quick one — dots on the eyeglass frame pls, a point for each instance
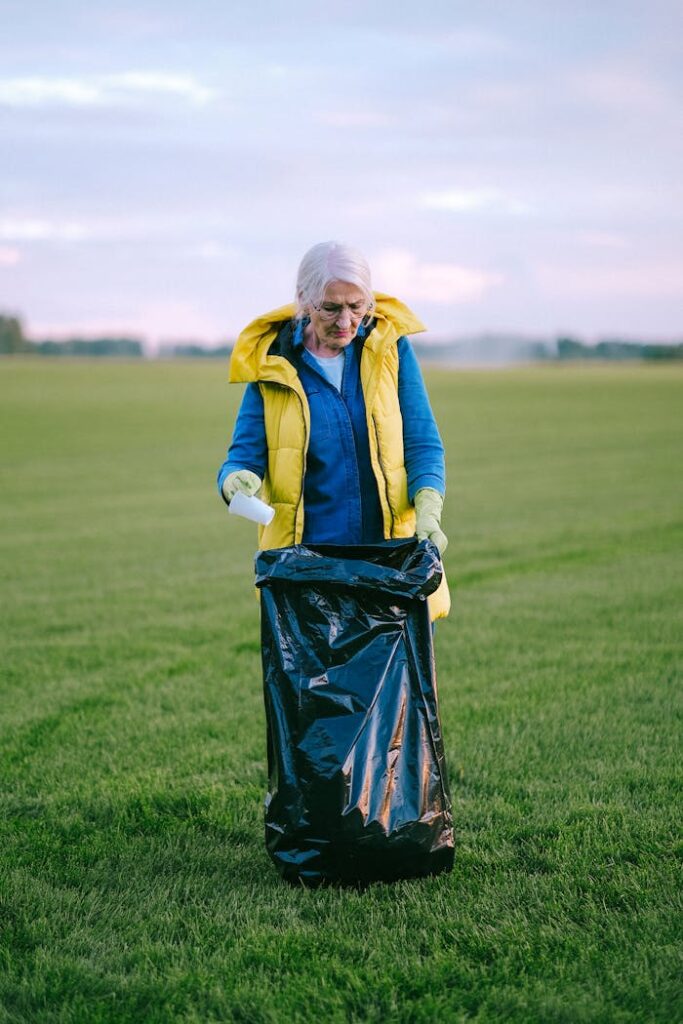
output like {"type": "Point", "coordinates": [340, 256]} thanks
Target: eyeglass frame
{"type": "Point", "coordinates": [331, 315]}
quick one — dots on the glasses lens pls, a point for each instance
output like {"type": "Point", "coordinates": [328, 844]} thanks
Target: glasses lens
{"type": "Point", "coordinates": [328, 311]}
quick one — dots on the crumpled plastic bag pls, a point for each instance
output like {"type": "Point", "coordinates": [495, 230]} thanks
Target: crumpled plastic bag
{"type": "Point", "coordinates": [358, 789]}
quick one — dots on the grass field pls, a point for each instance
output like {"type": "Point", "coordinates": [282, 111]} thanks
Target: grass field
{"type": "Point", "coordinates": [135, 884]}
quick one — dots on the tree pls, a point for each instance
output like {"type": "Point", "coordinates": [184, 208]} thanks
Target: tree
{"type": "Point", "coordinates": [12, 336]}
{"type": "Point", "coordinates": [569, 348]}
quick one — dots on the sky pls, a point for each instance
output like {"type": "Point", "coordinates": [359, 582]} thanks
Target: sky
{"type": "Point", "coordinates": [506, 167]}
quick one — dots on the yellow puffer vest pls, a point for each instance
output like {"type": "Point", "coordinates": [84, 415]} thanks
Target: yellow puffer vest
{"type": "Point", "coordinates": [288, 424]}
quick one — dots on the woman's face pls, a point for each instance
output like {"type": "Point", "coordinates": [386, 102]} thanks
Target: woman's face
{"type": "Point", "coordinates": [335, 321]}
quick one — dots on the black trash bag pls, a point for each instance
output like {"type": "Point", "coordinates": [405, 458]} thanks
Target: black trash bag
{"type": "Point", "coordinates": [358, 790]}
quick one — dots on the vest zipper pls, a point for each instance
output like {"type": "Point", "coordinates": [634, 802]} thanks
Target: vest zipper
{"type": "Point", "coordinates": [384, 475]}
{"type": "Point", "coordinates": [303, 469]}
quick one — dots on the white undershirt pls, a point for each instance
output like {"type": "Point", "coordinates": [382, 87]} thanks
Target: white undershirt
{"type": "Point", "coordinates": [332, 367]}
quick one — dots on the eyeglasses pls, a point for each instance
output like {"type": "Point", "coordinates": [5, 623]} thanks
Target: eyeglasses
{"type": "Point", "coordinates": [332, 311]}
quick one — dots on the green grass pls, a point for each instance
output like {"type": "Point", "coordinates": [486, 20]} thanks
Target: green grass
{"type": "Point", "coordinates": [135, 885]}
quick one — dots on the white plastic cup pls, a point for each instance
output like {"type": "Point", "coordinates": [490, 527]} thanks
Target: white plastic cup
{"type": "Point", "coordinates": [251, 508]}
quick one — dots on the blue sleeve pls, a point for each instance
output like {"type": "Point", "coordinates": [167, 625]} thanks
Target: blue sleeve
{"type": "Point", "coordinates": [248, 448]}
{"type": "Point", "coordinates": [423, 449]}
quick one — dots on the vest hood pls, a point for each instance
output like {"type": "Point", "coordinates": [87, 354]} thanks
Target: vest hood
{"type": "Point", "coordinates": [250, 354]}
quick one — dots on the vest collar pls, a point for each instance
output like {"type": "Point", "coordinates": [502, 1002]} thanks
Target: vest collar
{"type": "Point", "coordinates": [255, 358]}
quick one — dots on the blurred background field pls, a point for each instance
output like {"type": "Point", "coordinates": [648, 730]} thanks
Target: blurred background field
{"type": "Point", "coordinates": [135, 883]}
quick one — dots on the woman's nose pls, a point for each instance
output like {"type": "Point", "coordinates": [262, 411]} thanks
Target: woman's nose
{"type": "Point", "coordinates": [344, 318]}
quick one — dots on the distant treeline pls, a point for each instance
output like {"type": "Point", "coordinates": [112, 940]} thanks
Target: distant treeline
{"type": "Point", "coordinates": [496, 349]}
{"type": "Point", "coordinates": [13, 341]}
{"type": "Point", "coordinates": [569, 348]}
{"type": "Point", "coordinates": [488, 348]}
{"type": "Point", "coordinates": [194, 351]}
{"type": "Point", "coordinates": [131, 348]}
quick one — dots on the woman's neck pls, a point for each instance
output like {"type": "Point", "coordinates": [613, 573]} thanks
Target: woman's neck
{"type": "Point", "coordinates": [320, 348]}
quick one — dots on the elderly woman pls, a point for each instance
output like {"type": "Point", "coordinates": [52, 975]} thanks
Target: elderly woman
{"type": "Point", "coordinates": [335, 430]}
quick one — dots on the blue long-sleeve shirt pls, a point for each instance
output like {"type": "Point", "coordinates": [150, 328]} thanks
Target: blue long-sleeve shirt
{"type": "Point", "coordinates": [341, 503]}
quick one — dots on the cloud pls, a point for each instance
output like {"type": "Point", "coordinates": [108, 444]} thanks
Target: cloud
{"type": "Point", "coordinates": [101, 90]}
{"type": "Point", "coordinates": [175, 319]}
{"type": "Point", "coordinates": [603, 239]}
{"type": "Point", "coordinates": [39, 92]}
{"type": "Point", "coordinates": [177, 232]}
{"type": "Point", "coordinates": [472, 200]}
{"type": "Point", "coordinates": [183, 86]}
{"type": "Point", "coordinates": [135, 22]}
{"type": "Point", "coordinates": [651, 281]}
{"type": "Point", "coordinates": [471, 42]}
{"type": "Point", "coordinates": [153, 322]}
{"type": "Point", "coordinates": [465, 44]}
{"type": "Point", "coordinates": [36, 230]}
{"type": "Point", "coordinates": [9, 257]}
{"type": "Point", "coordinates": [619, 88]}
{"type": "Point", "coordinates": [398, 271]}
{"type": "Point", "coordinates": [213, 252]}
{"type": "Point", "coordinates": [355, 119]}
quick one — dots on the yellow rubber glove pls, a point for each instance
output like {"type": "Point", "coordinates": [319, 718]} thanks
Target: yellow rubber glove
{"type": "Point", "coordinates": [241, 480]}
{"type": "Point", "coordinates": [428, 508]}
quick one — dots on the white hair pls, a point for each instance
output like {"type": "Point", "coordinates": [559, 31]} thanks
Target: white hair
{"type": "Point", "coordinates": [327, 262]}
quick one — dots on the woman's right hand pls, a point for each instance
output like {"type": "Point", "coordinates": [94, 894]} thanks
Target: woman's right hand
{"type": "Point", "coordinates": [241, 480]}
